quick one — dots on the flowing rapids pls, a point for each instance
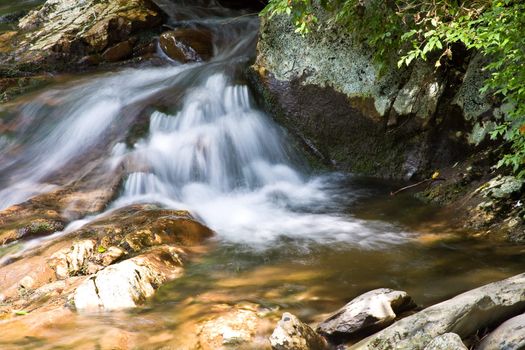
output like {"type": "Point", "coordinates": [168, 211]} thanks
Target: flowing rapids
{"type": "Point", "coordinates": [208, 149]}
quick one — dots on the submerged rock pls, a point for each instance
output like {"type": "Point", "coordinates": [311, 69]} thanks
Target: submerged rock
{"type": "Point", "coordinates": [50, 212]}
{"type": "Point", "coordinates": [292, 334]}
{"type": "Point", "coordinates": [238, 327]}
{"type": "Point", "coordinates": [447, 341]}
{"type": "Point", "coordinates": [463, 314]}
{"type": "Point", "coordinates": [129, 283]}
{"type": "Point", "coordinates": [367, 313]}
{"type": "Point", "coordinates": [509, 335]}
{"type": "Point", "coordinates": [187, 45]}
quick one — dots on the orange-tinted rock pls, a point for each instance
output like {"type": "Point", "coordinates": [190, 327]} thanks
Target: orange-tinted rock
{"type": "Point", "coordinates": [187, 45]}
{"type": "Point", "coordinates": [118, 52]}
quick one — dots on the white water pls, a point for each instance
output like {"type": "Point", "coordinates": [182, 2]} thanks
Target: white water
{"type": "Point", "coordinates": [217, 155]}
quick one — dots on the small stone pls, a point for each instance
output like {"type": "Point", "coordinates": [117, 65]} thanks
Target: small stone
{"type": "Point", "coordinates": [187, 45]}
{"type": "Point", "coordinates": [292, 334]}
{"type": "Point", "coordinates": [27, 282]}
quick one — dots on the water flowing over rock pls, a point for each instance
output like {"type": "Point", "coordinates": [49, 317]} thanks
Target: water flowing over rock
{"type": "Point", "coordinates": [129, 283]}
{"type": "Point", "coordinates": [292, 334]}
{"type": "Point", "coordinates": [153, 240]}
{"type": "Point", "coordinates": [463, 314]}
{"type": "Point", "coordinates": [447, 341]}
{"type": "Point", "coordinates": [367, 313]}
{"type": "Point", "coordinates": [509, 335]}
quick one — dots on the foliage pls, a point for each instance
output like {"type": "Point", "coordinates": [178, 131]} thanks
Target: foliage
{"type": "Point", "coordinates": [435, 29]}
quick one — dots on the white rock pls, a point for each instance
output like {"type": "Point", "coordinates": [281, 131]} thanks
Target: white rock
{"type": "Point", "coordinates": [128, 283]}
{"type": "Point", "coordinates": [370, 311]}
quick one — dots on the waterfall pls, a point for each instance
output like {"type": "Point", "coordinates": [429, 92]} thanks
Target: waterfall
{"type": "Point", "coordinates": [207, 148]}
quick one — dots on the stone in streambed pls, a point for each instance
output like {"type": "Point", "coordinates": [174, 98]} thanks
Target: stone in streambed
{"type": "Point", "coordinates": [118, 52]}
{"type": "Point", "coordinates": [509, 335]}
{"type": "Point", "coordinates": [292, 334]}
{"type": "Point", "coordinates": [367, 313]}
{"type": "Point", "coordinates": [187, 45]}
{"type": "Point", "coordinates": [234, 327]}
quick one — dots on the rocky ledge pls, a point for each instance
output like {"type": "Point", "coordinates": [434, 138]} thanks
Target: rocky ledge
{"type": "Point", "coordinates": [115, 262]}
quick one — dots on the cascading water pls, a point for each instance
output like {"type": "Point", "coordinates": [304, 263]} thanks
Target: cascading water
{"type": "Point", "coordinates": [230, 165]}
{"type": "Point", "coordinates": [208, 149]}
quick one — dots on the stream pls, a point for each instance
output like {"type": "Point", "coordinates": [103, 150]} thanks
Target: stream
{"type": "Point", "coordinates": [288, 237]}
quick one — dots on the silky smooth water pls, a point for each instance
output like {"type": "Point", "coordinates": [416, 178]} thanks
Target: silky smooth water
{"type": "Point", "coordinates": [286, 238]}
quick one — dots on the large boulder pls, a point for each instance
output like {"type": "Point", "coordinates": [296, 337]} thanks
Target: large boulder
{"type": "Point", "coordinates": [292, 334]}
{"type": "Point", "coordinates": [155, 240]}
{"type": "Point", "coordinates": [509, 335]}
{"type": "Point", "coordinates": [367, 313]}
{"type": "Point", "coordinates": [463, 315]}
{"type": "Point", "coordinates": [348, 109]}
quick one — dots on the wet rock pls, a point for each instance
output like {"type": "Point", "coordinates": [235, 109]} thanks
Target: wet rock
{"type": "Point", "coordinates": [126, 232]}
{"type": "Point", "coordinates": [91, 60]}
{"type": "Point", "coordinates": [509, 335]}
{"type": "Point", "coordinates": [118, 52]}
{"type": "Point", "coordinates": [129, 283]}
{"type": "Point", "coordinates": [502, 187]}
{"type": "Point", "coordinates": [187, 45]}
{"type": "Point", "coordinates": [73, 260]}
{"type": "Point", "coordinates": [50, 212]}
{"type": "Point", "coordinates": [379, 114]}
{"type": "Point", "coordinates": [447, 341]}
{"type": "Point", "coordinates": [238, 327]}
{"type": "Point", "coordinates": [83, 27]}
{"type": "Point", "coordinates": [292, 334]}
{"type": "Point", "coordinates": [421, 93]}
{"type": "Point", "coordinates": [464, 315]}
{"type": "Point", "coordinates": [367, 313]}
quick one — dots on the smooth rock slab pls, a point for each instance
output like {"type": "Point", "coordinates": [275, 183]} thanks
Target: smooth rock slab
{"type": "Point", "coordinates": [447, 341]}
{"type": "Point", "coordinates": [510, 335]}
{"type": "Point", "coordinates": [292, 334]}
{"type": "Point", "coordinates": [463, 314]}
{"type": "Point", "coordinates": [129, 283]}
{"type": "Point", "coordinates": [368, 312]}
